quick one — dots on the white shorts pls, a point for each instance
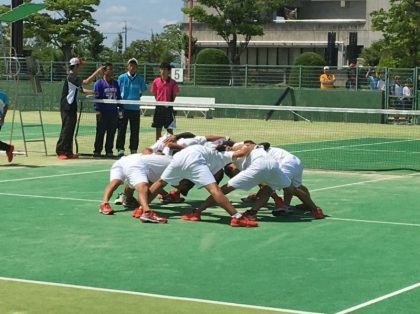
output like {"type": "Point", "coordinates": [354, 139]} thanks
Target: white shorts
{"type": "Point", "coordinates": [261, 171]}
{"type": "Point", "coordinates": [197, 172]}
{"type": "Point", "coordinates": [293, 168]}
{"type": "Point", "coordinates": [131, 173]}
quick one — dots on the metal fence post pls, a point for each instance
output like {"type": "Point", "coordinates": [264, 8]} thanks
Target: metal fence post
{"type": "Point", "coordinates": [194, 73]}
{"type": "Point", "coordinates": [246, 75]}
{"type": "Point", "coordinates": [51, 70]}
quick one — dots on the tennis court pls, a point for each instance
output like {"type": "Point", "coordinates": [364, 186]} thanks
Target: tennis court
{"type": "Point", "coordinates": [59, 255]}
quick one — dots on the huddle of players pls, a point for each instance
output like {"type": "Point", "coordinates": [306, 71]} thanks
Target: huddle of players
{"type": "Point", "coordinates": [185, 160]}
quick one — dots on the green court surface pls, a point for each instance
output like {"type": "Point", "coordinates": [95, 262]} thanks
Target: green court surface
{"type": "Point", "coordinates": [363, 257]}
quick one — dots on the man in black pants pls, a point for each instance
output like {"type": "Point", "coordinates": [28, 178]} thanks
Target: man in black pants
{"type": "Point", "coordinates": [68, 107]}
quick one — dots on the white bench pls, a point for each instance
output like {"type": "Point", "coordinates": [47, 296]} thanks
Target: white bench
{"type": "Point", "coordinates": [206, 104]}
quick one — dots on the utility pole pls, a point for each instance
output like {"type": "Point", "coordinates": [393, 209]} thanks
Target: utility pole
{"type": "Point", "coordinates": [190, 3]}
{"type": "Point", "coordinates": [125, 30]}
{"type": "Point", "coordinates": [17, 31]}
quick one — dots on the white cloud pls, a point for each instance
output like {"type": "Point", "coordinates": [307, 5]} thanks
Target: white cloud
{"type": "Point", "coordinates": [116, 10]}
{"type": "Point", "coordinates": [164, 22]}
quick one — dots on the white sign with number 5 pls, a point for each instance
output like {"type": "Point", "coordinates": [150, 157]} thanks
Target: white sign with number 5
{"type": "Point", "coordinates": [177, 74]}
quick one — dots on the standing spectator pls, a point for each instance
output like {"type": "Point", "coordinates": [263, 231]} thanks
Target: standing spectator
{"type": "Point", "coordinates": [396, 96]}
{"type": "Point", "coordinates": [165, 89]}
{"type": "Point", "coordinates": [4, 103]}
{"type": "Point", "coordinates": [396, 88]}
{"type": "Point", "coordinates": [132, 86]}
{"type": "Point", "coordinates": [407, 100]}
{"type": "Point", "coordinates": [372, 79]}
{"type": "Point", "coordinates": [68, 107]}
{"type": "Point", "coordinates": [351, 77]}
{"type": "Point", "coordinates": [106, 114]}
{"type": "Point", "coordinates": [381, 85]}
{"type": "Point", "coordinates": [327, 79]}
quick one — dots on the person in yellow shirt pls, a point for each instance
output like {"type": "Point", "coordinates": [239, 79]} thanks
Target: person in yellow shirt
{"type": "Point", "coordinates": [327, 79]}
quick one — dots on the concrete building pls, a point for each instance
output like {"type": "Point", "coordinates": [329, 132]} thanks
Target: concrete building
{"type": "Point", "coordinates": [302, 27]}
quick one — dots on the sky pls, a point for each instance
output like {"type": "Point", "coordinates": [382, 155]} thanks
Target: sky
{"type": "Point", "coordinates": [142, 17]}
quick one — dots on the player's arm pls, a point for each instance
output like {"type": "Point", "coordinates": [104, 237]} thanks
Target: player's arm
{"type": "Point", "coordinates": [93, 75]}
{"type": "Point", "coordinates": [243, 151]}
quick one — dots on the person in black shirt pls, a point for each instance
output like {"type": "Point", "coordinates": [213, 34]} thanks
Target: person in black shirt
{"type": "Point", "coordinates": [68, 107]}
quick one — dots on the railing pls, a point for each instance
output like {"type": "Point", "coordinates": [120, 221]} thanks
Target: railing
{"type": "Point", "coordinates": [249, 75]}
{"type": "Point", "coordinates": [351, 78]}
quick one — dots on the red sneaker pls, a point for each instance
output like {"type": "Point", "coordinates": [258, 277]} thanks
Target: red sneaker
{"type": "Point", "coordinates": [73, 156]}
{"type": "Point", "coordinates": [105, 209]}
{"type": "Point", "coordinates": [9, 153]}
{"type": "Point", "coordinates": [151, 216]}
{"type": "Point", "coordinates": [251, 214]}
{"type": "Point", "coordinates": [278, 202]}
{"type": "Point", "coordinates": [244, 221]}
{"type": "Point", "coordinates": [172, 197]}
{"type": "Point", "coordinates": [194, 215]}
{"type": "Point", "coordinates": [62, 156]}
{"type": "Point", "coordinates": [137, 212]}
{"type": "Point", "coordinates": [251, 198]}
{"type": "Point", "coordinates": [317, 213]}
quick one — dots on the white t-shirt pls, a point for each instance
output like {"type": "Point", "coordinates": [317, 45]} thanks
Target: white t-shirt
{"type": "Point", "coordinates": [139, 168]}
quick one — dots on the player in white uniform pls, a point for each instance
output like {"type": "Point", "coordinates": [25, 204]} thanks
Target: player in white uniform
{"type": "Point", "coordinates": [258, 168]}
{"type": "Point", "coordinates": [137, 170]}
{"type": "Point", "coordinates": [169, 144]}
{"type": "Point", "coordinates": [199, 164]}
{"type": "Point", "coordinates": [293, 168]}
{"type": "Point", "coordinates": [234, 168]}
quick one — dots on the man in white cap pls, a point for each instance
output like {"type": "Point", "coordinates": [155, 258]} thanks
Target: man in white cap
{"type": "Point", "coordinates": [132, 86]}
{"type": "Point", "coordinates": [68, 107]}
{"type": "Point", "coordinates": [327, 79]}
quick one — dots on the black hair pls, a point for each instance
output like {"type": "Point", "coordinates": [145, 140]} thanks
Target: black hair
{"type": "Point", "coordinates": [221, 147]}
{"type": "Point", "coordinates": [184, 135]}
{"type": "Point", "coordinates": [165, 65]}
{"type": "Point", "coordinates": [107, 64]}
{"type": "Point", "coordinates": [249, 142]}
{"type": "Point", "coordinates": [229, 143]}
{"type": "Point", "coordinates": [266, 145]}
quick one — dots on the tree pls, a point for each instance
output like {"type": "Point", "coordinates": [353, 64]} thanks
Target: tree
{"type": "Point", "coordinates": [214, 67]}
{"type": "Point", "coordinates": [92, 46]}
{"type": "Point", "coordinates": [309, 74]}
{"type": "Point", "coordinates": [401, 30]}
{"type": "Point", "coordinates": [235, 20]}
{"type": "Point", "coordinates": [67, 23]}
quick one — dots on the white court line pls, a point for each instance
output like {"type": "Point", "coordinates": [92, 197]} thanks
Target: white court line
{"type": "Point", "coordinates": [376, 222]}
{"type": "Point", "coordinates": [53, 176]}
{"type": "Point", "coordinates": [364, 182]}
{"type": "Point", "coordinates": [354, 145]}
{"type": "Point", "coordinates": [154, 295]}
{"type": "Point", "coordinates": [50, 197]}
{"type": "Point", "coordinates": [386, 296]}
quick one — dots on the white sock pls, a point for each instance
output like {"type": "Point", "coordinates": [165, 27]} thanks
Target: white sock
{"type": "Point", "coordinates": [237, 215]}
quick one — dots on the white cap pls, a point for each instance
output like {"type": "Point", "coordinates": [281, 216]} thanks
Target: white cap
{"type": "Point", "coordinates": [132, 60]}
{"type": "Point", "coordinates": [75, 61]}
{"type": "Point", "coordinates": [326, 67]}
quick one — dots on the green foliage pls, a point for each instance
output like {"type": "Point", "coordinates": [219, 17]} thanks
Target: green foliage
{"type": "Point", "coordinates": [67, 23]}
{"type": "Point", "coordinates": [213, 67]}
{"type": "Point", "coordinates": [165, 46]}
{"type": "Point", "coordinates": [235, 19]}
{"type": "Point", "coordinates": [310, 71]}
{"type": "Point", "coordinates": [401, 30]}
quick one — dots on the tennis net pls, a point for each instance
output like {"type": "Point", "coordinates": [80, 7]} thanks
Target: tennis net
{"type": "Point", "coordinates": [323, 138]}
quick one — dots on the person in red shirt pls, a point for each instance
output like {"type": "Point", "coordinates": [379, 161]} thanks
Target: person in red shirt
{"type": "Point", "coordinates": [165, 89]}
